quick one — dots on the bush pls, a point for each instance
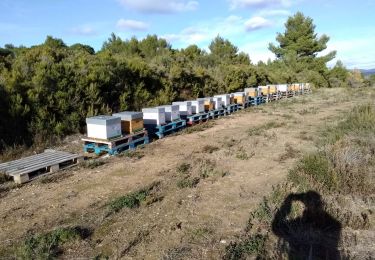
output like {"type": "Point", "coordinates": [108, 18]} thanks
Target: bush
{"type": "Point", "coordinates": [47, 246]}
{"type": "Point", "coordinates": [132, 200]}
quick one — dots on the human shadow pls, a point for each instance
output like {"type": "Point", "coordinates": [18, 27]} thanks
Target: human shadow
{"type": "Point", "coordinates": [314, 235]}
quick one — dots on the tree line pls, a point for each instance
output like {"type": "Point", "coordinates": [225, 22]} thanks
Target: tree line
{"type": "Point", "coordinates": [47, 90]}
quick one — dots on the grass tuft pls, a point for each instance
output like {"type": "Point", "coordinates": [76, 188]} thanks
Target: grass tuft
{"type": "Point", "coordinates": [48, 246]}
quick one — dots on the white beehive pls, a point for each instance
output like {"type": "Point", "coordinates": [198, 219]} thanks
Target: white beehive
{"type": "Point", "coordinates": [197, 106]}
{"type": "Point", "coordinates": [103, 127]}
{"type": "Point", "coordinates": [282, 87]}
{"type": "Point", "coordinates": [225, 98]}
{"type": "Point", "coordinates": [154, 116]}
{"type": "Point", "coordinates": [171, 112]}
{"type": "Point", "coordinates": [218, 102]}
{"type": "Point", "coordinates": [184, 107]}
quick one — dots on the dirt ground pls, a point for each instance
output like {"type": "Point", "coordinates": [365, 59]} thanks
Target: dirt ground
{"type": "Point", "coordinates": [243, 154]}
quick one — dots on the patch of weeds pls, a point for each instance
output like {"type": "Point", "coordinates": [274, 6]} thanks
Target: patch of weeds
{"type": "Point", "coordinates": [261, 129]}
{"type": "Point", "coordinates": [183, 168]}
{"type": "Point", "coordinates": [253, 245]}
{"type": "Point", "coordinates": [209, 149]}
{"type": "Point", "coordinates": [242, 155]}
{"type": "Point", "coordinates": [198, 127]}
{"type": "Point", "coordinates": [228, 143]}
{"type": "Point", "coordinates": [200, 233]}
{"type": "Point", "coordinates": [48, 246]}
{"type": "Point", "coordinates": [131, 200]}
{"type": "Point", "coordinates": [289, 153]}
{"type": "Point", "coordinates": [188, 182]}
{"type": "Point", "coordinates": [91, 164]}
{"type": "Point", "coordinates": [133, 154]}
{"type": "Point", "coordinates": [4, 178]}
{"type": "Point", "coordinates": [176, 253]}
{"type": "Point", "coordinates": [318, 168]}
{"type": "Point", "coordinates": [206, 168]}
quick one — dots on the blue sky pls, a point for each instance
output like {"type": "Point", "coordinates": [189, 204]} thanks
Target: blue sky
{"type": "Point", "coordinates": [249, 24]}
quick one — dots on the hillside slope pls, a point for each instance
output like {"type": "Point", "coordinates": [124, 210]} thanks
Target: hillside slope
{"type": "Point", "coordinates": [183, 197]}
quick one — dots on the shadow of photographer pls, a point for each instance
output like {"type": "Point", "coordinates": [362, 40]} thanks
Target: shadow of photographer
{"type": "Point", "coordinates": [314, 235]}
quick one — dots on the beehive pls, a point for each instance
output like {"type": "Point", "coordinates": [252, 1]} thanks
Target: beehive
{"type": "Point", "coordinates": [154, 116]}
{"type": "Point", "coordinates": [273, 89]}
{"type": "Point", "coordinates": [251, 92]}
{"type": "Point", "coordinates": [282, 87]}
{"type": "Point", "coordinates": [225, 99]}
{"type": "Point", "coordinates": [290, 87]}
{"type": "Point", "coordinates": [231, 98]}
{"type": "Point", "coordinates": [209, 104]}
{"type": "Point", "coordinates": [172, 112]}
{"type": "Point", "coordinates": [131, 122]}
{"type": "Point", "coordinates": [264, 90]}
{"type": "Point", "coordinates": [218, 102]}
{"type": "Point", "coordinates": [103, 127]}
{"type": "Point", "coordinates": [184, 107]}
{"type": "Point", "coordinates": [239, 98]}
{"type": "Point", "coordinates": [197, 106]}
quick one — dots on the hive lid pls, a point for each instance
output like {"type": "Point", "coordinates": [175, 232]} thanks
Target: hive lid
{"type": "Point", "coordinates": [153, 110]}
{"type": "Point", "coordinates": [222, 95]}
{"type": "Point", "coordinates": [169, 108]}
{"type": "Point", "coordinates": [129, 115]}
{"type": "Point", "coordinates": [182, 103]}
{"type": "Point", "coordinates": [103, 120]}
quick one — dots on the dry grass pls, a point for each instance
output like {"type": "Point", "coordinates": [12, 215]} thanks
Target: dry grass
{"type": "Point", "coordinates": [342, 171]}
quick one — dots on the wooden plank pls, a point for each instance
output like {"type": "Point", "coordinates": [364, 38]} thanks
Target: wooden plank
{"type": "Point", "coordinates": [21, 164]}
{"type": "Point", "coordinates": [36, 160]}
{"type": "Point", "coordinates": [38, 166]}
{"type": "Point", "coordinates": [29, 159]}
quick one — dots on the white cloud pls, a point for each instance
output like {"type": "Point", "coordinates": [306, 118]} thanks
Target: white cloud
{"type": "Point", "coordinates": [256, 23]}
{"type": "Point", "coordinates": [258, 51]}
{"type": "Point", "coordinates": [354, 53]}
{"type": "Point", "coordinates": [274, 12]}
{"type": "Point", "coordinates": [237, 4]}
{"type": "Point", "coordinates": [132, 25]}
{"type": "Point", "coordinates": [205, 32]}
{"type": "Point", "coordinates": [160, 6]}
{"type": "Point", "coordinates": [85, 30]}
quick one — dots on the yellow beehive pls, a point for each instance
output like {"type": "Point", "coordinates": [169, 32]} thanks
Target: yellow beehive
{"type": "Point", "coordinates": [265, 90]}
{"type": "Point", "coordinates": [251, 92]}
{"type": "Point", "coordinates": [130, 127]}
{"type": "Point", "coordinates": [273, 89]}
{"type": "Point", "coordinates": [239, 98]}
{"type": "Point", "coordinates": [290, 87]}
{"type": "Point", "coordinates": [131, 122]}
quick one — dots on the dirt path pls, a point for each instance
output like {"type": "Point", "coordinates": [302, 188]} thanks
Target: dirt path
{"type": "Point", "coordinates": [242, 157]}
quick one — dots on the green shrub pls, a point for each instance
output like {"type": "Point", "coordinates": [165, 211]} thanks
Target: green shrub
{"type": "Point", "coordinates": [47, 246]}
{"type": "Point", "coordinates": [253, 245]}
{"type": "Point", "coordinates": [183, 168]}
{"type": "Point", "coordinates": [188, 182]}
{"type": "Point", "coordinates": [132, 200]}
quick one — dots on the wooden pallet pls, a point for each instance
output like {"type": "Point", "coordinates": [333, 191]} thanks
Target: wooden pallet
{"type": "Point", "coordinates": [162, 130]}
{"type": "Point", "coordinates": [116, 145]}
{"type": "Point", "coordinates": [28, 168]}
{"type": "Point", "coordinates": [255, 101]}
{"type": "Point", "coordinates": [216, 113]}
{"type": "Point", "coordinates": [197, 118]}
{"type": "Point", "coordinates": [231, 108]}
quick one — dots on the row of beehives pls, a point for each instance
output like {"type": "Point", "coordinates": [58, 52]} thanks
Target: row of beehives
{"type": "Point", "coordinates": [123, 123]}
